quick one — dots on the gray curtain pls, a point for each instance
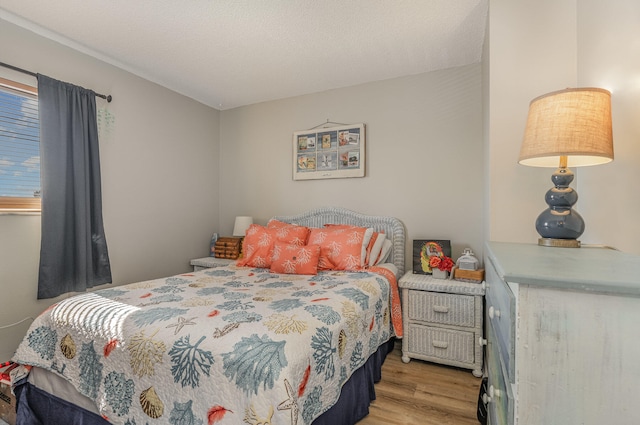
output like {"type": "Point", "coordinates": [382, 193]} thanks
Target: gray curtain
{"type": "Point", "coordinates": [73, 250]}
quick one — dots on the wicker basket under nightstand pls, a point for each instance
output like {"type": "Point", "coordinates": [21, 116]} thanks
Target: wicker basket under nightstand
{"type": "Point", "coordinates": [442, 321]}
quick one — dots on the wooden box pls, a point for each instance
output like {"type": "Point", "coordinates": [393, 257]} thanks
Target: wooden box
{"type": "Point", "coordinates": [475, 276]}
{"type": "Point", "coordinates": [228, 247]}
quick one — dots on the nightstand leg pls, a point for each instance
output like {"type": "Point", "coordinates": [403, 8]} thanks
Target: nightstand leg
{"type": "Point", "coordinates": [405, 325]}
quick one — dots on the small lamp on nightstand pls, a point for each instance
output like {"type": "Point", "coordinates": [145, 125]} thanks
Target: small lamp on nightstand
{"type": "Point", "coordinates": [566, 128]}
{"type": "Point", "coordinates": [241, 225]}
{"type": "Point", "coordinates": [240, 228]}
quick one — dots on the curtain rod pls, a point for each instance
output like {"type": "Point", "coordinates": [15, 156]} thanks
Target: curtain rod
{"type": "Point", "coordinates": [33, 74]}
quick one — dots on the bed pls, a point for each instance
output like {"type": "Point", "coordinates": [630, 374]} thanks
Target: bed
{"type": "Point", "coordinates": [235, 344]}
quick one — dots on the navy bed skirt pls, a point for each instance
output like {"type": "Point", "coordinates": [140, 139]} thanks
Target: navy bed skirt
{"type": "Point", "coordinates": [36, 407]}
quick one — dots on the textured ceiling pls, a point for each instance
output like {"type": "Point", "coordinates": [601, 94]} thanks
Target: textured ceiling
{"type": "Point", "coordinates": [229, 53]}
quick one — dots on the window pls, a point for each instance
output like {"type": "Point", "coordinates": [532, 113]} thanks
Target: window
{"type": "Point", "coordinates": [19, 147]}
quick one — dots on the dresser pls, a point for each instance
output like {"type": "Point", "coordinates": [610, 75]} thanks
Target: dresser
{"type": "Point", "coordinates": [562, 335]}
{"type": "Point", "coordinates": [442, 321]}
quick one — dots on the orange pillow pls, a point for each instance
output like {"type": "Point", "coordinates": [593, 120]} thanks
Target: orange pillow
{"type": "Point", "coordinates": [366, 239]}
{"type": "Point", "coordinates": [257, 246]}
{"type": "Point", "coordinates": [290, 233]}
{"type": "Point", "coordinates": [292, 259]}
{"type": "Point", "coordinates": [375, 248]}
{"type": "Point", "coordinates": [341, 247]}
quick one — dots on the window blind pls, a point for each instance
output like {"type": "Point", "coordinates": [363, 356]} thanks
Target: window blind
{"type": "Point", "coordinates": [19, 146]}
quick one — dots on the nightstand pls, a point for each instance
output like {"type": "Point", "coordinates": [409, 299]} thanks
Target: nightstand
{"type": "Point", "coordinates": [209, 262]}
{"type": "Point", "coordinates": [442, 321]}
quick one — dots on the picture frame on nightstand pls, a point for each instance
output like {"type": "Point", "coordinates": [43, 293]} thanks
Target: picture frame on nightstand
{"type": "Point", "coordinates": [425, 248]}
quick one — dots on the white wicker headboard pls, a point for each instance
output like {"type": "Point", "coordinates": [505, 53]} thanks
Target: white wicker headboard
{"type": "Point", "coordinates": [392, 227]}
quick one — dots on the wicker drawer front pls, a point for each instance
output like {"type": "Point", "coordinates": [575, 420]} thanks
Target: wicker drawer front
{"type": "Point", "coordinates": [442, 343]}
{"type": "Point", "coordinates": [447, 309]}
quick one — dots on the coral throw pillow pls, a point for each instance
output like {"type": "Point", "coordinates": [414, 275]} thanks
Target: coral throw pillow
{"type": "Point", "coordinates": [292, 259]}
{"type": "Point", "coordinates": [257, 246]}
{"type": "Point", "coordinates": [290, 233]}
{"type": "Point", "coordinates": [341, 247]}
{"type": "Point", "coordinates": [375, 248]}
{"type": "Point", "coordinates": [367, 237]}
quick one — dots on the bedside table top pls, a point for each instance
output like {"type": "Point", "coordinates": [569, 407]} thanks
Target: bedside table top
{"type": "Point", "coordinates": [211, 262]}
{"type": "Point", "coordinates": [426, 282]}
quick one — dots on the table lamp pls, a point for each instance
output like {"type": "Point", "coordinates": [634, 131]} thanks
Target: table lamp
{"type": "Point", "coordinates": [241, 225]}
{"type": "Point", "coordinates": [566, 128]}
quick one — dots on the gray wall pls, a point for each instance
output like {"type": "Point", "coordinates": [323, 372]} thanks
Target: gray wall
{"type": "Point", "coordinates": [159, 178]}
{"type": "Point", "coordinates": [423, 155]}
{"type": "Point", "coordinates": [538, 47]}
{"type": "Point", "coordinates": [609, 56]}
{"type": "Point", "coordinates": [532, 52]}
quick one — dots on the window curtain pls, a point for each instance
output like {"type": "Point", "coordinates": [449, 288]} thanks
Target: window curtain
{"type": "Point", "coordinates": [73, 249]}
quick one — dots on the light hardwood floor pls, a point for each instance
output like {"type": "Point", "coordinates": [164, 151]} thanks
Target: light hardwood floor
{"type": "Point", "coordinates": [423, 393]}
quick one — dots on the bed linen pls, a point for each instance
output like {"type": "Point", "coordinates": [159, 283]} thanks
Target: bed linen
{"type": "Point", "coordinates": [38, 406]}
{"type": "Point", "coordinates": [224, 345]}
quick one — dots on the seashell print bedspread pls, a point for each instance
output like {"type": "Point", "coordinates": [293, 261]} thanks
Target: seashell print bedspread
{"type": "Point", "coordinates": [223, 345]}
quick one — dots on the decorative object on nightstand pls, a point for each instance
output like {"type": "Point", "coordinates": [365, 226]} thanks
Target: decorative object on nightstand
{"type": "Point", "coordinates": [468, 268]}
{"type": "Point", "coordinates": [228, 247]}
{"type": "Point", "coordinates": [439, 274]}
{"type": "Point", "coordinates": [467, 260]}
{"type": "Point", "coordinates": [442, 321]}
{"type": "Point", "coordinates": [212, 245]}
{"type": "Point", "coordinates": [425, 249]}
{"type": "Point", "coordinates": [210, 262]}
{"type": "Point", "coordinates": [240, 227]}
{"type": "Point", "coordinates": [440, 266]}
{"type": "Point", "coordinates": [569, 128]}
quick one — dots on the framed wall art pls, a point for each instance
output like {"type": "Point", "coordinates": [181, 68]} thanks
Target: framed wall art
{"type": "Point", "coordinates": [329, 153]}
{"type": "Point", "coordinates": [423, 249]}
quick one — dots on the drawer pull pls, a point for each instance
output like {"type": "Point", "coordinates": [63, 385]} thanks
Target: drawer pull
{"type": "Point", "coordinates": [440, 309]}
{"type": "Point", "coordinates": [494, 312]}
{"type": "Point", "coordinates": [440, 344]}
{"type": "Point", "coordinates": [493, 392]}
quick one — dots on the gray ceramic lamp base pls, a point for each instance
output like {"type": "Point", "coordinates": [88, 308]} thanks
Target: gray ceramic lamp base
{"type": "Point", "coordinates": [559, 225]}
{"type": "Point", "coordinates": [559, 243]}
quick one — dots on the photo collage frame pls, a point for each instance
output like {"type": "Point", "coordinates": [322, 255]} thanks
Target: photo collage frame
{"type": "Point", "coordinates": [325, 153]}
